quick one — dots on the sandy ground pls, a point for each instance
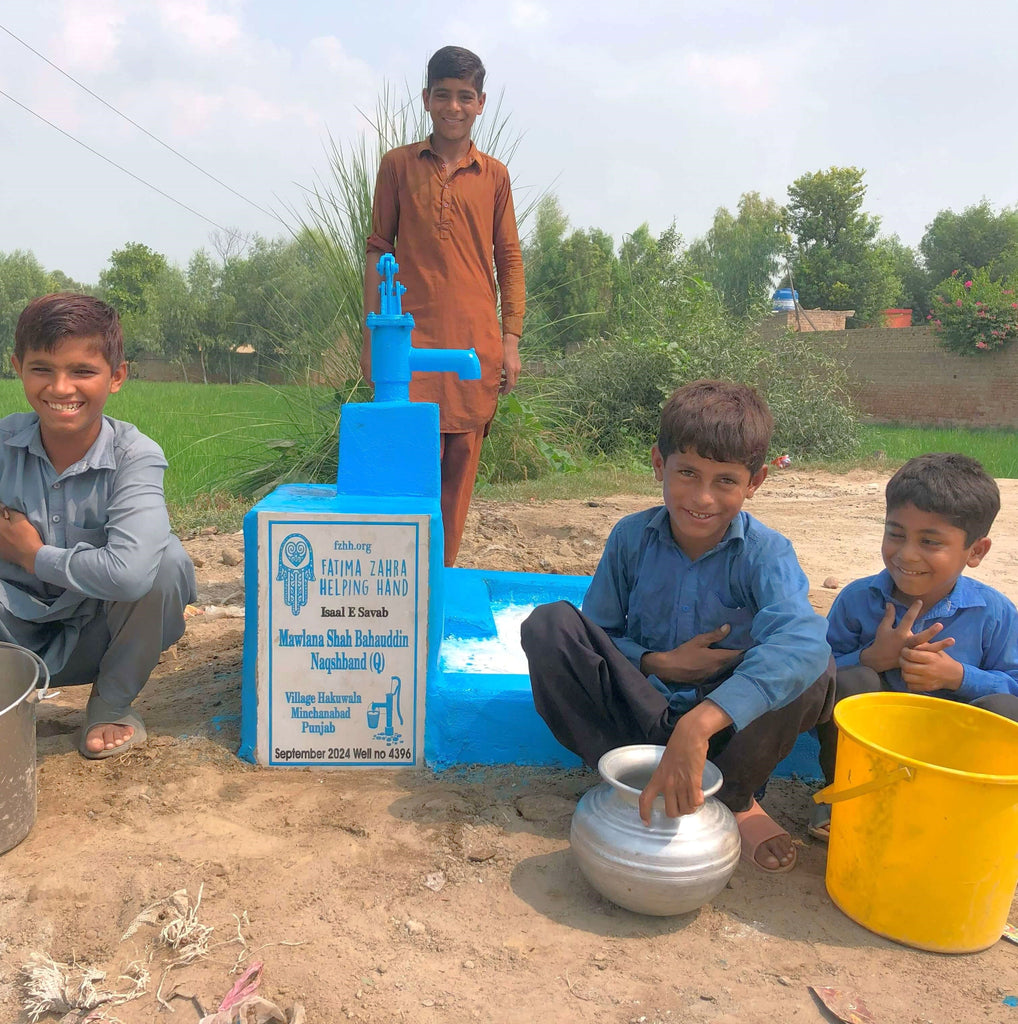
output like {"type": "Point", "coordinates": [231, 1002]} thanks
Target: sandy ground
{"type": "Point", "coordinates": [405, 896]}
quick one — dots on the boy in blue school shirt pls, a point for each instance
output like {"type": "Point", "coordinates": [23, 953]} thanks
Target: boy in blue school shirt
{"type": "Point", "coordinates": [920, 625]}
{"type": "Point", "coordinates": [91, 578]}
{"type": "Point", "coordinates": [696, 632]}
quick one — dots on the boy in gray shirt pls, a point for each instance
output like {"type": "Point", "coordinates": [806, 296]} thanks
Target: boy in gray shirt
{"type": "Point", "coordinates": [91, 578]}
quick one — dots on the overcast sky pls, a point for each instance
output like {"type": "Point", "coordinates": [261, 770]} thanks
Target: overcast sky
{"type": "Point", "coordinates": [631, 112]}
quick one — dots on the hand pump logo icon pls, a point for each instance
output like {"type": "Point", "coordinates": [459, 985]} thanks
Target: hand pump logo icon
{"type": "Point", "coordinates": [296, 570]}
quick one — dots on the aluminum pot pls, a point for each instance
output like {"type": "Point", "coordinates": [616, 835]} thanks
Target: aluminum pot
{"type": "Point", "coordinates": [672, 866]}
{"type": "Point", "coordinates": [21, 671]}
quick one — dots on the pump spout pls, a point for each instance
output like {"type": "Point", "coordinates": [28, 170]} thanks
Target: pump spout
{"type": "Point", "coordinates": [463, 362]}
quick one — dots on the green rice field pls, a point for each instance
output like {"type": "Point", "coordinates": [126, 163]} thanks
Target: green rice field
{"type": "Point", "coordinates": [205, 430]}
{"type": "Point", "coordinates": [997, 450]}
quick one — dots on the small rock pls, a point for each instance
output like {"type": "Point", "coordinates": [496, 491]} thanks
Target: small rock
{"type": "Point", "coordinates": [199, 563]}
{"type": "Point", "coordinates": [208, 531]}
{"type": "Point", "coordinates": [381, 968]}
{"type": "Point", "coordinates": [782, 980]}
{"type": "Point", "coordinates": [831, 583]}
{"type": "Point", "coordinates": [231, 556]}
{"type": "Point", "coordinates": [593, 504]}
{"type": "Point", "coordinates": [435, 881]}
{"type": "Point", "coordinates": [414, 927]}
{"type": "Point", "coordinates": [427, 1002]}
{"type": "Point", "coordinates": [544, 807]}
{"type": "Point", "coordinates": [469, 965]}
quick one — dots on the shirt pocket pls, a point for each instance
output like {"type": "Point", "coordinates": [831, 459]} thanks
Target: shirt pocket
{"type": "Point", "coordinates": [95, 536]}
{"type": "Point", "coordinates": [715, 613]}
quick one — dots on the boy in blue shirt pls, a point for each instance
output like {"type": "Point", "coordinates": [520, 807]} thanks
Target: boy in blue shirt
{"type": "Point", "coordinates": [921, 626]}
{"type": "Point", "coordinates": [696, 632]}
{"type": "Point", "coordinates": [91, 578]}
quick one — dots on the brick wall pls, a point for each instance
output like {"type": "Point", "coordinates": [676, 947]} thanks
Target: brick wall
{"type": "Point", "coordinates": [905, 375]}
{"type": "Point", "coordinates": [809, 320]}
{"type": "Point", "coordinates": [244, 366]}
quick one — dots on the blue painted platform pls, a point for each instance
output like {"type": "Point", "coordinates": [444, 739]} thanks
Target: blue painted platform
{"type": "Point", "coordinates": [489, 718]}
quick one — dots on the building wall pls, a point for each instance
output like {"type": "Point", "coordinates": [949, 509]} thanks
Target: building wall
{"type": "Point", "coordinates": [245, 366]}
{"type": "Point", "coordinates": [807, 320]}
{"type": "Point", "coordinates": [905, 375]}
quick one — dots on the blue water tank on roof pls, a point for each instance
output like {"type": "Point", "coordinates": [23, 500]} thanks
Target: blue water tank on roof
{"type": "Point", "coordinates": [784, 299]}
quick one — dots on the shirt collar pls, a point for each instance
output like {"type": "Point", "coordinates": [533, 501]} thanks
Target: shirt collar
{"type": "Point", "coordinates": [964, 594]}
{"type": "Point", "coordinates": [99, 456]}
{"type": "Point", "coordinates": [474, 155]}
{"type": "Point", "coordinates": [661, 523]}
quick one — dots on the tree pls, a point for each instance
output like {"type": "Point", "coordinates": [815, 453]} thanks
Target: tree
{"type": "Point", "coordinates": [129, 284]}
{"type": "Point", "coordinates": [906, 265]}
{"type": "Point", "coordinates": [836, 260]}
{"type": "Point", "coordinates": [22, 279]}
{"type": "Point", "coordinates": [966, 241]}
{"type": "Point", "coordinates": [742, 255]}
{"type": "Point", "coordinates": [569, 280]}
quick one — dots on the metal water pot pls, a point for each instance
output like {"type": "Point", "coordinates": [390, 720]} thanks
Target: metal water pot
{"type": "Point", "coordinates": [21, 672]}
{"type": "Point", "coordinates": [672, 866]}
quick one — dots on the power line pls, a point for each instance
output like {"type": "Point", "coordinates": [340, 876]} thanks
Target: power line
{"type": "Point", "coordinates": [131, 174]}
{"type": "Point", "coordinates": [145, 131]}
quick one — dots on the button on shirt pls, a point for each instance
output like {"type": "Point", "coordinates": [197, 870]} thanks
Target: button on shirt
{"type": "Point", "coordinates": [103, 523]}
{"type": "Point", "coordinates": [649, 596]}
{"type": "Point", "coordinates": [982, 622]}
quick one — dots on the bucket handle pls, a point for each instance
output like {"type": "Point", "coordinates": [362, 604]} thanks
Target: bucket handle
{"type": "Point", "coordinates": [41, 672]}
{"type": "Point", "coordinates": [830, 795]}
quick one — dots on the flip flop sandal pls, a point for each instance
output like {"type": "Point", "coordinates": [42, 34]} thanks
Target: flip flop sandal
{"type": "Point", "coordinates": [98, 712]}
{"type": "Point", "coordinates": [820, 822]}
{"type": "Point", "coordinates": [756, 827]}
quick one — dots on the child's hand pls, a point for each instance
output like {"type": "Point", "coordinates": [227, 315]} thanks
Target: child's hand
{"type": "Point", "coordinates": [679, 774]}
{"type": "Point", "coordinates": [928, 667]}
{"type": "Point", "coordinates": [19, 540]}
{"type": "Point", "coordinates": [692, 661]}
{"type": "Point", "coordinates": [885, 651]}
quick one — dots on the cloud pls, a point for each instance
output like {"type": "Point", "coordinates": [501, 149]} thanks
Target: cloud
{"type": "Point", "coordinates": [528, 15]}
{"type": "Point", "coordinates": [744, 82]}
{"type": "Point", "coordinates": [89, 34]}
{"type": "Point", "coordinates": [204, 29]}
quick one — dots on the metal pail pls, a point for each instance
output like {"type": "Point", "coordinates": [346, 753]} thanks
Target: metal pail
{"type": "Point", "coordinates": [21, 671]}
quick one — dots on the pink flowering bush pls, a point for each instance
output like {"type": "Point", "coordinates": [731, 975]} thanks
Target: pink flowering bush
{"type": "Point", "coordinates": [975, 314]}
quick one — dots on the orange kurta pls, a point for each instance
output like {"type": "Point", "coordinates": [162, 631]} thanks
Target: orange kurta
{"type": "Point", "coordinates": [452, 229]}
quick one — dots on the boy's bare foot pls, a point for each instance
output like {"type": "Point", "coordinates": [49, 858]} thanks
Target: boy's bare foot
{"type": "Point", "coordinates": [108, 732]}
{"type": "Point", "coordinates": [764, 842]}
{"type": "Point", "coordinates": [107, 737]}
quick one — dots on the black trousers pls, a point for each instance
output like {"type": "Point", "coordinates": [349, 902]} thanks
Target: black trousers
{"type": "Point", "coordinates": [594, 699]}
{"type": "Point", "coordinates": [856, 679]}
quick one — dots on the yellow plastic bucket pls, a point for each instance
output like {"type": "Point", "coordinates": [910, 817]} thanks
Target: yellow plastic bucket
{"type": "Point", "coordinates": [924, 822]}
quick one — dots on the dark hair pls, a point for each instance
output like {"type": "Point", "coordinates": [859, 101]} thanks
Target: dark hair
{"type": "Point", "coordinates": [720, 419]}
{"type": "Point", "coordinates": [456, 62]}
{"type": "Point", "coordinates": [952, 486]}
{"type": "Point", "coordinates": [46, 321]}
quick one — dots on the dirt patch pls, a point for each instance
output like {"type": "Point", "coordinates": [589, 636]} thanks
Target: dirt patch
{"type": "Point", "coordinates": [384, 896]}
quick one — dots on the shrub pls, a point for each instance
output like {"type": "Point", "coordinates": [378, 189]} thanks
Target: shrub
{"type": "Point", "coordinates": [522, 443]}
{"type": "Point", "coordinates": [614, 389]}
{"type": "Point", "coordinates": [975, 314]}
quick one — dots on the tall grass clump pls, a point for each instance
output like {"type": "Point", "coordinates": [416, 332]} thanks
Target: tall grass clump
{"type": "Point", "coordinates": [333, 228]}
